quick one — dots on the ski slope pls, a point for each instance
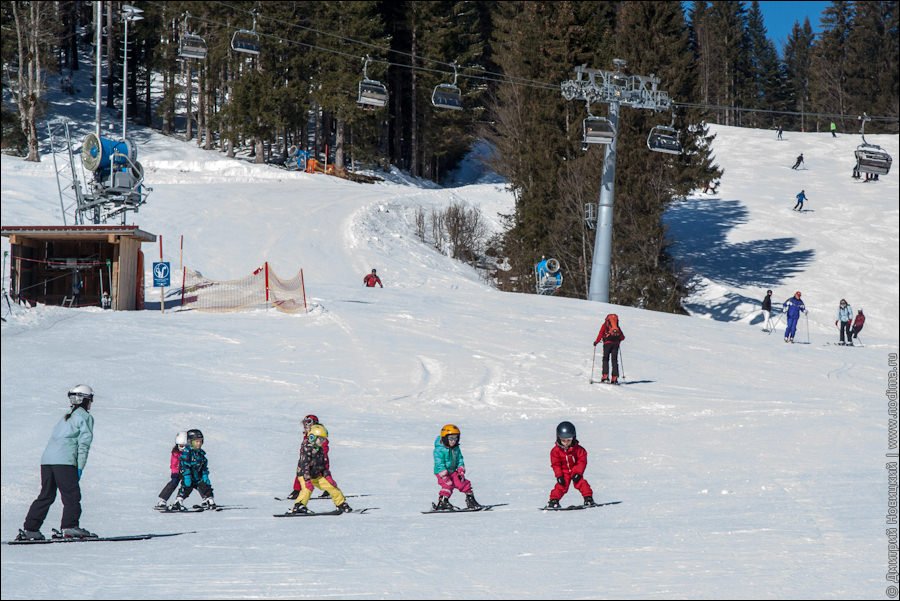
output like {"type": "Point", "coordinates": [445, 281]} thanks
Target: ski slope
{"type": "Point", "coordinates": [745, 467]}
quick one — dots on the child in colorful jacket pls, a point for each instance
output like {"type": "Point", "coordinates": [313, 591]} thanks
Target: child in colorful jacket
{"type": "Point", "coordinates": [450, 470]}
{"type": "Point", "coordinates": [175, 469]}
{"type": "Point", "coordinates": [308, 422]}
{"type": "Point", "coordinates": [314, 471]}
{"type": "Point", "coordinates": [568, 460]}
{"type": "Point", "coordinates": [194, 469]}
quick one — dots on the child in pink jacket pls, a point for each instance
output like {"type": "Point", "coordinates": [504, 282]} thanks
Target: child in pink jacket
{"type": "Point", "coordinates": [175, 469]}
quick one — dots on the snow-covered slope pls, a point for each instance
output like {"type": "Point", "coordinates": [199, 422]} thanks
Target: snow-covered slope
{"type": "Point", "coordinates": [745, 467]}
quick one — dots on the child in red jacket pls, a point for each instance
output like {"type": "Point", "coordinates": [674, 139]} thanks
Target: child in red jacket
{"type": "Point", "coordinates": [611, 336]}
{"type": "Point", "coordinates": [175, 469]}
{"type": "Point", "coordinates": [568, 460]}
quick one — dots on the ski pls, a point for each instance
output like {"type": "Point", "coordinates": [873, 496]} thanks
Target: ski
{"type": "Point", "coordinates": [465, 509]}
{"type": "Point", "coordinates": [199, 509]}
{"type": "Point", "coordinates": [323, 498]}
{"type": "Point", "coordinates": [101, 539]}
{"type": "Point", "coordinates": [310, 514]}
{"type": "Point", "coordinates": [577, 507]}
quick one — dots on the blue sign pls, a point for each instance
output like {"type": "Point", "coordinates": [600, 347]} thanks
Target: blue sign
{"type": "Point", "coordinates": [161, 273]}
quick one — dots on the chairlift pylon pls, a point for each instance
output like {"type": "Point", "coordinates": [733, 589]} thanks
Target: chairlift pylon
{"type": "Point", "coordinates": [372, 93]}
{"type": "Point", "coordinates": [664, 138]}
{"type": "Point", "coordinates": [447, 95]}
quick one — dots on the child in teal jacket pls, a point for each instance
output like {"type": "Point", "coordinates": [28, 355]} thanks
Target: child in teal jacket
{"type": "Point", "coordinates": [450, 470]}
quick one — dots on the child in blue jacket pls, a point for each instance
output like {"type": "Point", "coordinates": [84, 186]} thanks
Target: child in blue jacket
{"type": "Point", "coordinates": [450, 470]}
{"type": "Point", "coordinates": [194, 473]}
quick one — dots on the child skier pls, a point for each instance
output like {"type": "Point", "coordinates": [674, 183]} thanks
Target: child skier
{"type": "Point", "coordinates": [794, 307]}
{"type": "Point", "coordinates": [315, 472]}
{"type": "Point", "coordinates": [175, 469]}
{"type": "Point", "coordinates": [858, 323]}
{"type": "Point", "coordinates": [194, 469]}
{"type": "Point", "coordinates": [568, 460]}
{"type": "Point", "coordinates": [450, 470]}
{"type": "Point", "coordinates": [612, 336]}
{"type": "Point", "coordinates": [308, 422]}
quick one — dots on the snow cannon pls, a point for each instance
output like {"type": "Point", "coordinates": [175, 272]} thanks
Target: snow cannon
{"type": "Point", "coordinates": [548, 276]}
{"type": "Point", "coordinates": [103, 154]}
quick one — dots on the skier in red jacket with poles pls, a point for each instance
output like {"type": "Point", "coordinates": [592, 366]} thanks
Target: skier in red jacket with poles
{"type": "Point", "coordinates": [568, 460]}
{"type": "Point", "coordinates": [371, 279]}
{"type": "Point", "coordinates": [611, 336]}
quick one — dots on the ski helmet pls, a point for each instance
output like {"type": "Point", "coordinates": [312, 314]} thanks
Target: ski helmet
{"type": "Point", "coordinates": [80, 394]}
{"type": "Point", "coordinates": [181, 439]}
{"type": "Point", "coordinates": [449, 430]}
{"type": "Point", "coordinates": [373, 272]}
{"type": "Point", "coordinates": [317, 431]}
{"type": "Point", "coordinates": [193, 435]}
{"type": "Point", "coordinates": [565, 430]}
{"type": "Point", "coordinates": [310, 420]}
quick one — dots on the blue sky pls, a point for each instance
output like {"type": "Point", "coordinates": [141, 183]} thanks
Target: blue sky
{"type": "Point", "coordinates": [780, 17]}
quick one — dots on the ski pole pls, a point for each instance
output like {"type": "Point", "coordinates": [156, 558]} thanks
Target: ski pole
{"type": "Point", "coordinates": [775, 325]}
{"type": "Point", "coordinates": [806, 313]}
{"type": "Point", "coordinates": [622, 363]}
{"type": "Point", "coordinates": [592, 363]}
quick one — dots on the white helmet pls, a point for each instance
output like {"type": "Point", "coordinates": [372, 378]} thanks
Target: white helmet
{"type": "Point", "coordinates": [81, 393]}
{"type": "Point", "coordinates": [181, 439]}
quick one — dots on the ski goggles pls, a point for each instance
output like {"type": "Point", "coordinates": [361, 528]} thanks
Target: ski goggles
{"type": "Point", "coordinates": [313, 439]}
{"type": "Point", "coordinates": [453, 438]}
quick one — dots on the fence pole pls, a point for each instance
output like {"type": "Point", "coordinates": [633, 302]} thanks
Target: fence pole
{"type": "Point", "coordinates": [303, 288]}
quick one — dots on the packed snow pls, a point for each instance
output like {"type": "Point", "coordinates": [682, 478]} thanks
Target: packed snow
{"type": "Point", "coordinates": [744, 467]}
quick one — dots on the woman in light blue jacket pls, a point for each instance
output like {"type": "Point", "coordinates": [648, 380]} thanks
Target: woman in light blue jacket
{"type": "Point", "coordinates": [844, 320]}
{"type": "Point", "coordinates": [61, 466]}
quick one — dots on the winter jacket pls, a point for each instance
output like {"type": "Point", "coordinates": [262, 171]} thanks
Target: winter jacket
{"type": "Point", "coordinates": [447, 458]}
{"type": "Point", "coordinates": [372, 279]}
{"type": "Point", "coordinates": [175, 461]}
{"type": "Point", "coordinates": [794, 306]}
{"type": "Point", "coordinates": [194, 467]}
{"type": "Point", "coordinates": [767, 303]}
{"type": "Point", "coordinates": [604, 336]}
{"type": "Point", "coordinates": [844, 314]}
{"type": "Point", "coordinates": [71, 440]}
{"type": "Point", "coordinates": [568, 462]}
{"type": "Point", "coordinates": [859, 321]}
{"type": "Point", "coordinates": [313, 462]}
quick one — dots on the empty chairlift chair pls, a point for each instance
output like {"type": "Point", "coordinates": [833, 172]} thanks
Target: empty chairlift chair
{"type": "Point", "coordinates": [246, 41]}
{"type": "Point", "coordinates": [664, 139]}
{"type": "Point", "coordinates": [447, 95]}
{"type": "Point", "coordinates": [598, 130]}
{"type": "Point", "coordinates": [871, 158]}
{"type": "Point", "coordinates": [372, 93]}
{"type": "Point", "coordinates": [192, 46]}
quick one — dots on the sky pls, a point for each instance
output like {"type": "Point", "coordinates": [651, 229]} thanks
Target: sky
{"type": "Point", "coordinates": [741, 466]}
{"type": "Point", "coordinates": [781, 16]}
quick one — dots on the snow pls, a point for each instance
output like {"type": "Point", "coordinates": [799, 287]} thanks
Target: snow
{"type": "Point", "coordinates": [745, 467]}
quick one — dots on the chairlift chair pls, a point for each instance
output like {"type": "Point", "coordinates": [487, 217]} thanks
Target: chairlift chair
{"type": "Point", "coordinates": [598, 130]}
{"type": "Point", "coordinates": [245, 41]}
{"type": "Point", "coordinates": [871, 158]}
{"type": "Point", "coordinates": [447, 95]}
{"type": "Point", "coordinates": [372, 93]}
{"type": "Point", "coordinates": [664, 139]}
{"type": "Point", "coordinates": [192, 46]}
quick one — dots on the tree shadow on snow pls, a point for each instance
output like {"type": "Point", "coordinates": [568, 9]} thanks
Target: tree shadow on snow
{"type": "Point", "coordinates": [699, 230]}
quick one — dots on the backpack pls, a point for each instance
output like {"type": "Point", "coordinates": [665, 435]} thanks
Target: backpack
{"type": "Point", "coordinates": [612, 326]}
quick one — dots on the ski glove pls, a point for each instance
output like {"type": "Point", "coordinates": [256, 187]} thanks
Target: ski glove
{"type": "Point", "coordinates": [461, 471]}
{"type": "Point", "coordinates": [576, 478]}
{"type": "Point", "coordinates": [561, 480]}
{"type": "Point", "coordinates": [79, 474]}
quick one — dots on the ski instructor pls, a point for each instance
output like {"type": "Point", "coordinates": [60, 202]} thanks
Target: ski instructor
{"type": "Point", "coordinates": [61, 466]}
{"type": "Point", "coordinates": [794, 307]}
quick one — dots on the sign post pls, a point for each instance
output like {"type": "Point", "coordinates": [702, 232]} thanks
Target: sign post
{"type": "Point", "coordinates": [161, 279]}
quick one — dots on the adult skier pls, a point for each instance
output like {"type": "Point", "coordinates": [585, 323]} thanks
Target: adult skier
{"type": "Point", "coordinates": [767, 310]}
{"type": "Point", "coordinates": [371, 279]}
{"type": "Point", "coordinates": [844, 320]}
{"type": "Point", "coordinates": [801, 198]}
{"type": "Point", "coordinates": [611, 336]}
{"type": "Point", "coordinates": [798, 162]}
{"type": "Point", "coordinates": [794, 307]}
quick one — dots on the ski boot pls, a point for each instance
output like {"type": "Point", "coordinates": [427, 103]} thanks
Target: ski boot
{"type": "Point", "coordinates": [293, 495]}
{"type": "Point", "coordinates": [614, 380]}
{"type": "Point", "coordinates": [77, 532]}
{"type": "Point", "coordinates": [161, 505]}
{"type": "Point", "coordinates": [604, 379]}
{"type": "Point", "coordinates": [208, 504]}
{"type": "Point", "coordinates": [471, 503]}
{"type": "Point", "coordinates": [345, 507]}
{"type": "Point", "coordinates": [30, 535]}
{"type": "Point", "coordinates": [299, 508]}
{"type": "Point", "coordinates": [443, 504]}
{"type": "Point", "coordinates": [178, 505]}
{"type": "Point", "coordinates": [589, 502]}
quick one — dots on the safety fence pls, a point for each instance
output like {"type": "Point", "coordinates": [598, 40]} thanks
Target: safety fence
{"type": "Point", "coordinates": [261, 289]}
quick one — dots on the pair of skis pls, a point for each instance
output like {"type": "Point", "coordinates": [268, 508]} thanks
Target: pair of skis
{"type": "Point", "coordinates": [199, 509]}
{"type": "Point", "coordinates": [59, 538]}
{"type": "Point", "coordinates": [577, 507]}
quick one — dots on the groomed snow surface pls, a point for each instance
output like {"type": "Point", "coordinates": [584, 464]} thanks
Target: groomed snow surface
{"type": "Point", "coordinates": [745, 467]}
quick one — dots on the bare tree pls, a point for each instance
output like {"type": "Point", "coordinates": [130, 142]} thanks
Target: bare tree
{"type": "Point", "coordinates": [33, 39]}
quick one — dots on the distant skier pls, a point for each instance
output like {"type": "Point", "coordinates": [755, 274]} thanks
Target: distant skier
{"type": "Point", "coordinates": [569, 461]}
{"type": "Point", "coordinates": [798, 162]}
{"type": "Point", "coordinates": [371, 279]}
{"type": "Point", "coordinates": [174, 469]}
{"type": "Point", "coordinates": [77, 287]}
{"type": "Point", "coordinates": [833, 130]}
{"type": "Point", "coordinates": [844, 320]}
{"type": "Point", "coordinates": [194, 469]}
{"type": "Point", "coordinates": [450, 469]}
{"type": "Point", "coordinates": [315, 470]}
{"type": "Point", "coordinates": [611, 336]}
{"type": "Point", "coordinates": [780, 131]}
{"type": "Point", "coordinates": [61, 466]}
{"type": "Point", "coordinates": [794, 307]}
{"type": "Point", "coordinates": [801, 198]}
{"type": "Point", "coordinates": [767, 310]}
{"type": "Point", "coordinates": [858, 323]}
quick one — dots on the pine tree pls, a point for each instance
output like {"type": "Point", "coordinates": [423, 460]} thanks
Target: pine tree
{"type": "Point", "coordinates": [798, 61]}
{"type": "Point", "coordinates": [830, 64]}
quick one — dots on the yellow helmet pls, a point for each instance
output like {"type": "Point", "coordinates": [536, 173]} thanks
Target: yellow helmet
{"type": "Point", "coordinates": [449, 429]}
{"type": "Point", "coordinates": [317, 431]}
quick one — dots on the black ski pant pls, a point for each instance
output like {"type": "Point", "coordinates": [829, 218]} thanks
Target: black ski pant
{"type": "Point", "coordinates": [611, 351]}
{"type": "Point", "coordinates": [856, 331]}
{"type": "Point", "coordinates": [56, 477]}
{"type": "Point", "coordinates": [170, 487]}
{"type": "Point", "coordinates": [846, 326]}
{"type": "Point", "coordinates": [205, 489]}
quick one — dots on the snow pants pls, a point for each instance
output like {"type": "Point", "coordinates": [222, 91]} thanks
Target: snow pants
{"type": "Point", "coordinates": [451, 481]}
{"type": "Point", "coordinates": [321, 483]}
{"type": "Point", "coordinates": [56, 477]}
{"type": "Point", "coordinates": [611, 351]}
{"type": "Point", "coordinates": [791, 327]}
{"type": "Point", "coordinates": [206, 491]}
{"type": "Point", "coordinates": [846, 327]}
{"type": "Point", "coordinates": [581, 486]}
{"type": "Point", "coordinates": [170, 487]}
